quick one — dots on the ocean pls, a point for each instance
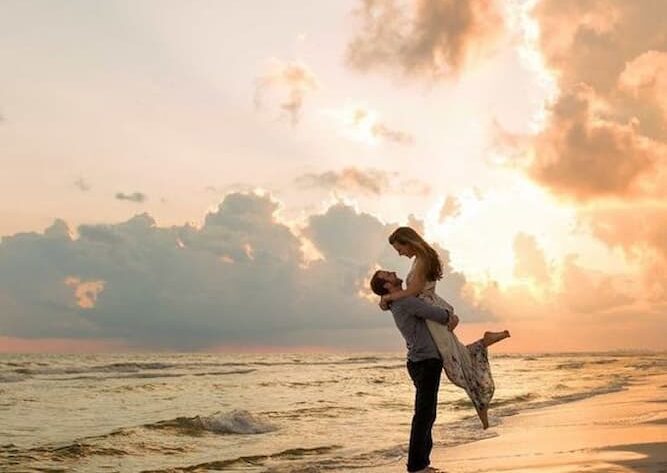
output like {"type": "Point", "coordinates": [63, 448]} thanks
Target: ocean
{"type": "Point", "coordinates": [273, 413]}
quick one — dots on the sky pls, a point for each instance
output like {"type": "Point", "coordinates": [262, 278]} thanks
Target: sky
{"type": "Point", "coordinates": [223, 176]}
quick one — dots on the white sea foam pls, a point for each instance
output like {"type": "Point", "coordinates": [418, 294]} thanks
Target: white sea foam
{"type": "Point", "coordinates": [235, 422]}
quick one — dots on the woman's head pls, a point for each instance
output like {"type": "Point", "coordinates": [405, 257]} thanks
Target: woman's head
{"type": "Point", "coordinates": [407, 242]}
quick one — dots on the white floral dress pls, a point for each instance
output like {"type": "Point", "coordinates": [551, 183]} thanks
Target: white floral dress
{"type": "Point", "coordinates": [467, 366]}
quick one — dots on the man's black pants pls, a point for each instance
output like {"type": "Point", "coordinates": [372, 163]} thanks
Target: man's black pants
{"type": "Point", "coordinates": [426, 378]}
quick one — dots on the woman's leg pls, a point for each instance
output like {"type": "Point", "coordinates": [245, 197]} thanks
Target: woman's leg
{"type": "Point", "coordinates": [494, 337]}
{"type": "Point", "coordinates": [484, 417]}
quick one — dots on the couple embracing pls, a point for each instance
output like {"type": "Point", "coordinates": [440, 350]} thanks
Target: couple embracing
{"type": "Point", "coordinates": [427, 322]}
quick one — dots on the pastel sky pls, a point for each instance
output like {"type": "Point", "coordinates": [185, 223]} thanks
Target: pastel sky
{"type": "Point", "coordinates": [218, 175]}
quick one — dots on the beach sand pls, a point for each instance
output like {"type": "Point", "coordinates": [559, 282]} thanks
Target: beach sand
{"type": "Point", "coordinates": [624, 431]}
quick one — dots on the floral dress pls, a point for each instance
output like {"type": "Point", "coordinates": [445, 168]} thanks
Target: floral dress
{"type": "Point", "coordinates": [467, 366]}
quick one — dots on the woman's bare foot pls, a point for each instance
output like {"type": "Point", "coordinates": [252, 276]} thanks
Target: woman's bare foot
{"type": "Point", "coordinates": [494, 337]}
{"type": "Point", "coordinates": [452, 323]}
{"type": "Point", "coordinates": [484, 417]}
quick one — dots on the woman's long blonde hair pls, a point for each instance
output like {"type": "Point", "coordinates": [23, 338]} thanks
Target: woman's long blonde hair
{"type": "Point", "coordinates": [407, 236]}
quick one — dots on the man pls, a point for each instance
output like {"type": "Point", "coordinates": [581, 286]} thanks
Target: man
{"type": "Point", "coordinates": [424, 363]}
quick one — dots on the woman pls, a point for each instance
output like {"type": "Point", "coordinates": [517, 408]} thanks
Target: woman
{"type": "Point", "coordinates": [465, 366]}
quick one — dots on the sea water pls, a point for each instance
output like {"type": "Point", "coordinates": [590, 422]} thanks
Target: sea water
{"type": "Point", "coordinates": [260, 413]}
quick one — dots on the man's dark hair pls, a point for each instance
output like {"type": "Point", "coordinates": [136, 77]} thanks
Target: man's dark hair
{"type": "Point", "coordinates": [377, 284]}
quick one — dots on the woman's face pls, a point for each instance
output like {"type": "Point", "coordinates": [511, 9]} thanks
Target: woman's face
{"type": "Point", "coordinates": [403, 249]}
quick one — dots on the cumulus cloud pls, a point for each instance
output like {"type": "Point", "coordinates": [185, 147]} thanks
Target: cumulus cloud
{"type": "Point", "coordinates": [238, 278]}
{"type": "Point", "coordinates": [559, 290]}
{"type": "Point", "coordinates": [133, 197]}
{"type": "Point", "coordinates": [584, 155]}
{"type": "Point", "coordinates": [293, 78]}
{"type": "Point", "coordinates": [604, 144]}
{"type": "Point", "coordinates": [645, 78]}
{"type": "Point", "coordinates": [606, 134]}
{"type": "Point", "coordinates": [365, 181]}
{"type": "Point", "coordinates": [432, 38]}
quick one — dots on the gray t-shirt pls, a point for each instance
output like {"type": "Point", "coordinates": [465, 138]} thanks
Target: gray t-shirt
{"type": "Point", "coordinates": [410, 315]}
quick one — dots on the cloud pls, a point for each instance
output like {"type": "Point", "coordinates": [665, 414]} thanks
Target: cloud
{"type": "Point", "coordinates": [451, 207]}
{"type": "Point", "coordinates": [573, 309]}
{"type": "Point", "coordinates": [606, 134]}
{"type": "Point", "coordinates": [586, 156]}
{"type": "Point", "coordinates": [82, 185]}
{"type": "Point", "coordinates": [639, 231]}
{"type": "Point", "coordinates": [86, 292]}
{"type": "Point", "coordinates": [432, 38]}
{"type": "Point", "coordinates": [586, 291]}
{"type": "Point", "coordinates": [367, 120]}
{"type": "Point", "coordinates": [238, 278]}
{"type": "Point", "coordinates": [604, 143]}
{"type": "Point", "coordinates": [133, 197]}
{"type": "Point", "coordinates": [559, 289]}
{"type": "Point", "coordinates": [295, 78]}
{"type": "Point", "coordinates": [645, 78]}
{"type": "Point", "coordinates": [365, 181]}
{"type": "Point", "coordinates": [371, 181]}
{"type": "Point", "coordinates": [529, 259]}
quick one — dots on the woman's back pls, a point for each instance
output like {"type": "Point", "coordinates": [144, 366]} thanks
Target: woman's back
{"type": "Point", "coordinates": [428, 294]}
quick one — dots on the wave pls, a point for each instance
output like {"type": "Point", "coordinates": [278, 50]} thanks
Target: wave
{"type": "Point", "coordinates": [222, 373]}
{"type": "Point", "coordinates": [115, 371]}
{"type": "Point", "coordinates": [134, 366]}
{"type": "Point", "coordinates": [316, 412]}
{"type": "Point", "coordinates": [12, 377]}
{"type": "Point", "coordinates": [571, 365]}
{"type": "Point", "coordinates": [465, 403]}
{"type": "Point", "coordinates": [604, 361]}
{"type": "Point", "coordinates": [108, 368]}
{"type": "Point", "coordinates": [650, 363]}
{"type": "Point", "coordinates": [256, 460]}
{"type": "Point", "coordinates": [509, 410]}
{"type": "Point", "coordinates": [613, 387]}
{"type": "Point", "coordinates": [234, 422]}
{"type": "Point", "coordinates": [12, 454]}
{"type": "Point", "coordinates": [384, 367]}
{"type": "Point", "coordinates": [362, 359]}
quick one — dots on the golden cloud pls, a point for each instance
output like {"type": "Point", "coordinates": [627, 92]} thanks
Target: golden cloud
{"type": "Point", "coordinates": [431, 38]}
{"type": "Point", "coordinates": [86, 292]}
{"type": "Point", "coordinates": [295, 78]}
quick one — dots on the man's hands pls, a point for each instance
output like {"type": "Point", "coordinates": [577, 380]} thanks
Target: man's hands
{"type": "Point", "coordinates": [385, 300]}
{"type": "Point", "coordinates": [452, 322]}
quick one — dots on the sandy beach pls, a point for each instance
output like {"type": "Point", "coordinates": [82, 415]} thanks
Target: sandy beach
{"type": "Point", "coordinates": [624, 431]}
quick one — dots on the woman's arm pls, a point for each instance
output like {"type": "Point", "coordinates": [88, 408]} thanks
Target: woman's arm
{"type": "Point", "coordinates": [417, 284]}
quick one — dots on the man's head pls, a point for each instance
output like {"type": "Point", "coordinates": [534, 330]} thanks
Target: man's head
{"type": "Point", "coordinates": [383, 282]}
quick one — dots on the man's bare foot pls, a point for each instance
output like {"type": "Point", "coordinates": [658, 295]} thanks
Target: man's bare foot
{"type": "Point", "coordinates": [494, 337]}
{"type": "Point", "coordinates": [484, 417]}
{"type": "Point", "coordinates": [452, 323]}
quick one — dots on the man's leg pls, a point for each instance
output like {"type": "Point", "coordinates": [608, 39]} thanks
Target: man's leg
{"type": "Point", "coordinates": [426, 378]}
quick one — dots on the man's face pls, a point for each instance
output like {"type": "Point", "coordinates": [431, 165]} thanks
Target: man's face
{"type": "Point", "coordinates": [391, 278]}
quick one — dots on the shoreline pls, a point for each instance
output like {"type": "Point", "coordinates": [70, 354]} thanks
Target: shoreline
{"type": "Point", "coordinates": [620, 431]}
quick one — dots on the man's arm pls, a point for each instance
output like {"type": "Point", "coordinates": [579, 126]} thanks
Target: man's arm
{"type": "Point", "coordinates": [423, 310]}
